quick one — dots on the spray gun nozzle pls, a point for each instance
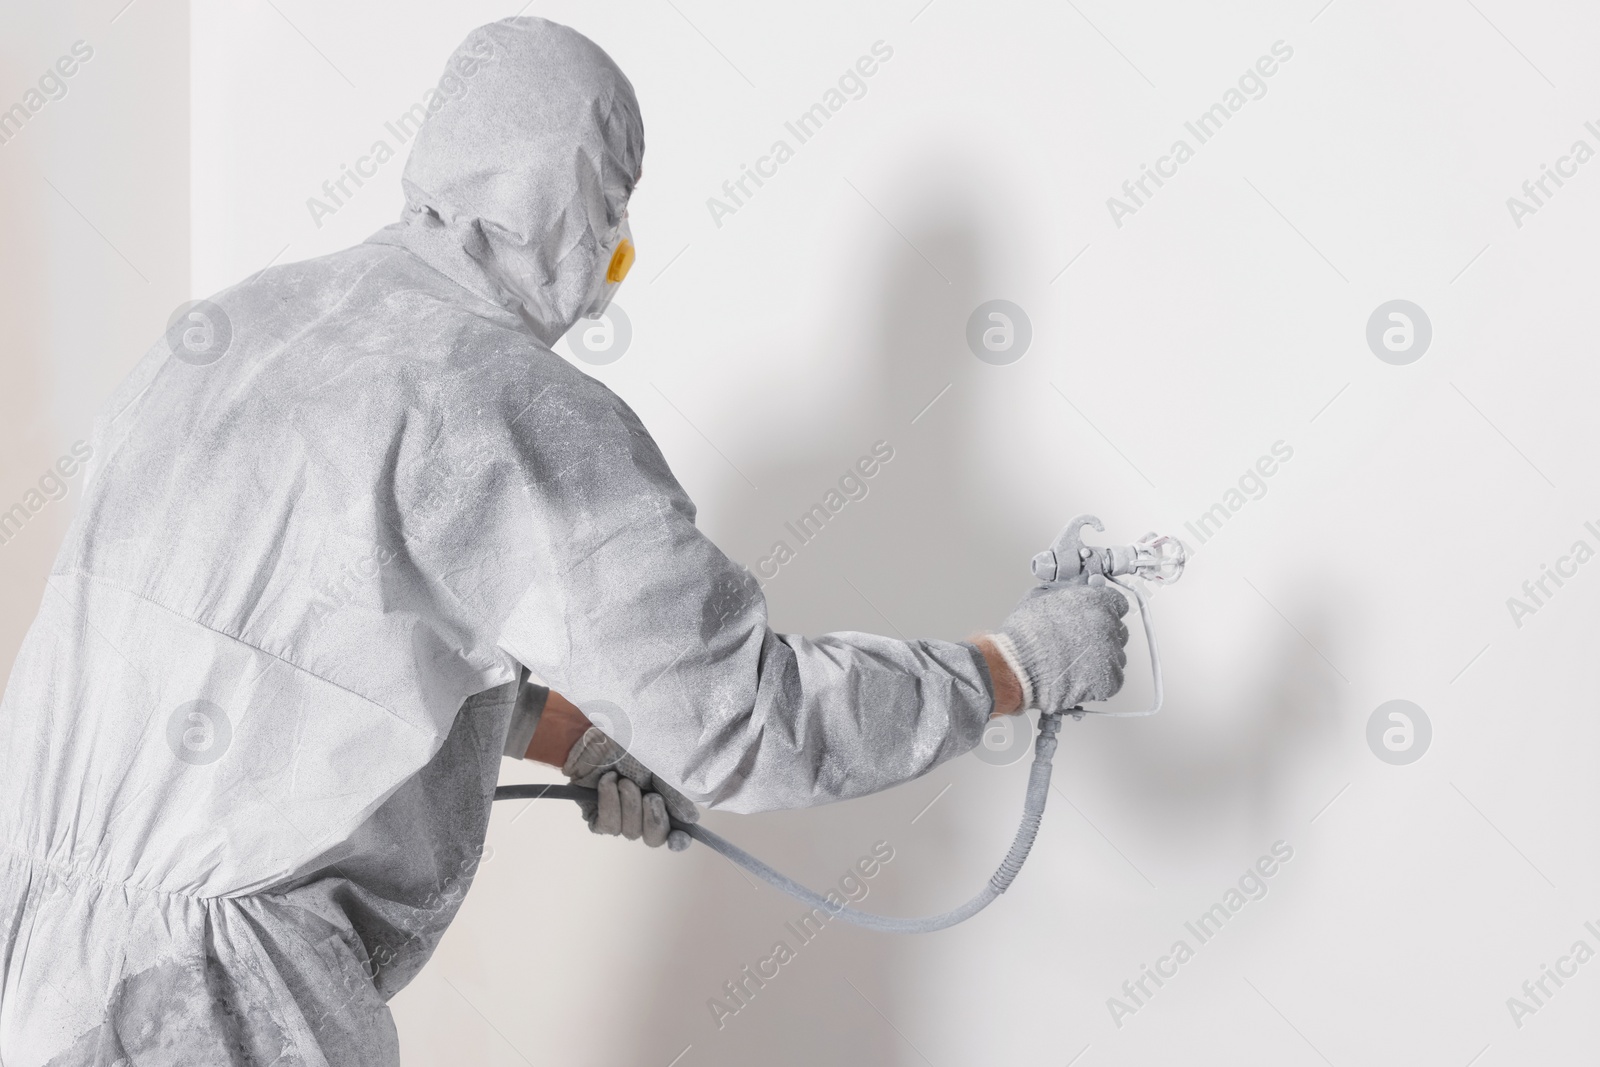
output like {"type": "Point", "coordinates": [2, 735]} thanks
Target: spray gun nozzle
{"type": "Point", "coordinates": [1159, 559]}
{"type": "Point", "coordinates": [1155, 559]}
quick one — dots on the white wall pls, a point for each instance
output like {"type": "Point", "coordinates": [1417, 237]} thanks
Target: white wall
{"type": "Point", "coordinates": [1228, 314]}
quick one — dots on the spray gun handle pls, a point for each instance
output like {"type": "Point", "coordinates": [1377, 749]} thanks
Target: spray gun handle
{"type": "Point", "coordinates": [1156, 559]}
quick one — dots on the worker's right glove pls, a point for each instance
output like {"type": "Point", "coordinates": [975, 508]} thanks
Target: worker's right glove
{"type": "Point", "coordinates": [630, 801]}
{"type": "Point", "coordinates": [1065, 643]}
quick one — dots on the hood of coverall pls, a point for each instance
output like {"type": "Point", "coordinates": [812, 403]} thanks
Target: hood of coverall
{"type": "Point", "coordinates": [522, 170]}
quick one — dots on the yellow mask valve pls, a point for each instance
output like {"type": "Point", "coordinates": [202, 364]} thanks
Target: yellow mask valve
{"type": "Point", "coordinates": [621, 262]}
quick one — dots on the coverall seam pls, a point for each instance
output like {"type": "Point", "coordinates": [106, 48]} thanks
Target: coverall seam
{"type": "Point", "coordinates": [518, 331]}
{"type": "Point", "coordinates": [74, 871]}
{"type": "Point", "coordinates": [89, 876]}
{"type": "Point", "coordinates": [119, 587]}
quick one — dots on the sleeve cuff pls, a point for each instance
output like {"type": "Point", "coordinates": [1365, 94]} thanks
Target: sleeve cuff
{"type": "Point", "coordinates": [531, 698]}
{"type": "Point", "coordinates": [1008, 652]}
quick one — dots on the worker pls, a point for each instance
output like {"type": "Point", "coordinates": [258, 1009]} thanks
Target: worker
{"type": "Point", "coordinates": [351, 532]}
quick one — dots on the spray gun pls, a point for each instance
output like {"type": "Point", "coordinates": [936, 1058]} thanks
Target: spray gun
{"type": "Point", "coordinates": [1159, 560]}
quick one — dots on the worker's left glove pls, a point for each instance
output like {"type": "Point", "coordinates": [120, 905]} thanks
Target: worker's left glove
{"type": "Point", "coordinates": [630, 801]}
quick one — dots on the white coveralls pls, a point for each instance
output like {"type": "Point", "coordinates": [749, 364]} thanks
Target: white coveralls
{"type": "Point", "coordinates": [250, 741]}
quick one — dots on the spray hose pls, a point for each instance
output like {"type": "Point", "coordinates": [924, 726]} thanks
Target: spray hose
{"type": "Point", "coordinates": [1156, 559]}
{"type": "Point", "coordinates": [1044, 750]}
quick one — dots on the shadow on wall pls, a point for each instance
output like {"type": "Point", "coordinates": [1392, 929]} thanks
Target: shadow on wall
{"type": "Point", "coordinates": [910, 559]}
{"type": "Point", "coordinates": [1261, 729]}
{"type": "Point", "coordinates": [930, 552]}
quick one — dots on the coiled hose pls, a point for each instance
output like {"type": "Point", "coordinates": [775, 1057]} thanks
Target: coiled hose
{"type": "Point", "coordinates": [1044, 750]}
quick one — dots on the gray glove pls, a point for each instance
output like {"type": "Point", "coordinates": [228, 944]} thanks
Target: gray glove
{"type": "Point", "coordinates": [1065, 643]}
{"type": "Point", "coordinates": [631, 801]}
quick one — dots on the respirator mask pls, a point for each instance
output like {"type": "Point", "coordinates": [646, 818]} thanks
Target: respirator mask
{"type": "Point", "coordinates": [618, 258]}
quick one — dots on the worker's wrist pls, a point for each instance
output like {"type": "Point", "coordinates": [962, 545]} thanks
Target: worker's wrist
{"type": "Point", "coordinates": [560, 727]}
{"type": "Point", "coordinates": [525, 713]}
{"type": "Point", "coordinates": [1007, 686]}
